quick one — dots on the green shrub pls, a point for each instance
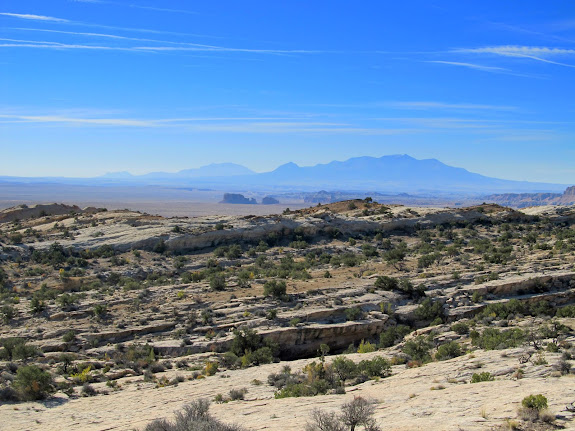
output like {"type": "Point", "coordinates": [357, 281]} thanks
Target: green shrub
{"type": "Point", "coordinates": [448, 351]}
{"type": "Point", "coordinates": [252, 348]}
{"type": "Point", "coordinates": [567, 311]}
{"type": "Point", "coordinates": [366, 347]}
{"type": "Point", "coordinates": [7, 312]}
{"type": "Point", "coordinates": [274, 288]}
{"type": "Point", "coordinates": [482, 377]}
{"type": "Point", "coordinates": [393, 335]}
{"type": "Point", "coordinates": [418, 349]}
{"type": "Point", "coordinates": [536, 402]}
{"type": "Point", "coordinates": [37, 305]}
{"type": "Point", "coordinates": [16, 348]}
{"type": "Point", "coordinates": [460, 328]}
{"type": "Point", "coordinates": [32, 383]}
{"type": "Point", "coordinates": [354, 313]}
{"type": "Point", "coordinates": [377, 367]}
{"type": "Point", "coordinates": [218, 282]}
{"type": "Point", "coordinates": [494, 339]}
{"type": "Point", "coordinates": [369, 250]}
{"type": "Point", "coordinates": [429, 310]}
{"type": "Point", "coordinates": [69, 336]}
{"type": "Point", "coordinates": [344, 368]}
{"type": "Point", "coordinates": [386, 283]}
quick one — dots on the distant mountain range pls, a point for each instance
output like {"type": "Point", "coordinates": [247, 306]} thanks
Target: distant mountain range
{"type": "Point", "coordinates": [208, 171]}
{"type": "Point", "coordinates": [389, 174]}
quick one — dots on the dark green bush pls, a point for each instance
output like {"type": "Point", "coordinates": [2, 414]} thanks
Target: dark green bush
{"type": "Point", "coordinates": [536, 402]}
{"type": "Point", "coordinates": [429, 310]}
{"type": "Point", "coordinates": [494, 339]}
{"type": "Point", "coordinates": [386, 283]}
{"type": "Point", "coordinates": [274, 288]}
{"type": "Point", "coordinates": [353, 313]}
{"type": "Point", "coordinates": [418, 348]}
{"type": "Point", "coordinates": [460, 328]}
{"type": "Point", "coordinates": [32, 383]}
{"type": "Point", "coordinates": [218, 282]}
{"type": "Point", "coordinates": [393, 335]}
{"type": "Point", "coordinates": [448, 351]}
{"type": "Point", "coordinates": [482, 377]}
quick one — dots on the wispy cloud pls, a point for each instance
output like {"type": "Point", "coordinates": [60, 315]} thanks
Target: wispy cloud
{"type": "Point", "coordinates": [189, 47]}
{"type": "Point", "coordinates": [472, 66]}
{"type": "Point", "coordinates": [252, 125]}
{"type": "Point", "coordinates": [531, 52]}
{"type": "Point", "coordinates": [157, 122]}
{"type": "Point", "coordinates": [160, 9]}
{"type": "Point", "coordinates": [34, 17]}
{"type": "Point", "coordinates": [72, 120]}
{"type": "Point", "coordinates": [426, 105]}
{"type": "Point", "coordinates": [136, 6]}
{"type": "Point", "coordinates": [441, 122]}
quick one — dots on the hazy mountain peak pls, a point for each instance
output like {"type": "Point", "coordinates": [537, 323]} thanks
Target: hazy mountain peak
{"type": "Point", "coordinates": [217, 170]}
{"type": "Point", "coordinates": [122, 174]}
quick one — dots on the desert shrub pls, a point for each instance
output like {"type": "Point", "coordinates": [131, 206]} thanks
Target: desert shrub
{"type": "Point", "coordinates": [353, 313]}
{"type": "Point", "coordinates": [358, 412]}
{"type": "Point", "coordinates": [7, 312]}
{"type": "Point", "coordinates": [136, 356]}
{"type": "Point", "coordinates": [429, 310]}
{"type": "Point", "coordinates": [218, 282]}
{"type": "Point", "coordinates": [32, 383]}
{"type": "Point", "coordinates": [393, 335]}
{"type": "Point", "coordinates": [230, 360]}
{"type": "Point", "coordinates": [321, 421]}
{"type": "Point", "coordinates": [210, 368]}
{"type": "Point", "coordinates": [460, 328]}
{"type": "Point", "coordinates": [567, 311]}
{"type": "Point", "coordinates": [66, 300]}
{"type": "Point", "coordinates": [16, 348]}
{"type": "Point", "coordinates": [494, 339]}
{"type": "Point", "coordinates": [194, 417]}
{"type": "Point", "coordinates": [344, 368]}
{"type": "Point", "coordinates": [428, 259]}
{"type": "Point", "coordinates": [301, 244]}
{"type": "Point", "coordinates": [238, 394]}
{"type": "Point", "coordinates": [100, 310]}
{"type": "Point", "coordinates": [365, 347]}
{"type": "Point", "coordinates": [369, 250]}
{"type": "Point", "coordinates": [351, 259]}
{"type": "Point", "coordinates": [376, 367]}
{"type": "Point", "coordinates": [69, 336]}
{"type": "Point", "coordinates": [482, 377]}
{"type": "Point", "coordinates": [418, 348]}
{"type": "Point", "coordinates": [537, 402]}
{"type": "Point", "coordinates": [37, 305]}
{"type": "Point", "coordinates": [448, 351]}
{"type": "Point", "coordinates": [563, 367]}
{"type": "Point", "coordinates": [386, 283]}
{"type": "Point", "coordinates": [252, 348]}
{"type": "Point", "coordinates": [274, 288]}
{"type": "Point", "coordinates": [88, 390]}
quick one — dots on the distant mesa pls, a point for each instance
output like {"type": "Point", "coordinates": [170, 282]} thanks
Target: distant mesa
{"type": "Point", "coordinates": [268, 200]}
{"type": "Point", "coordinates": [522, 200]}
{"type": "Point", "coordinates": [236, 198]}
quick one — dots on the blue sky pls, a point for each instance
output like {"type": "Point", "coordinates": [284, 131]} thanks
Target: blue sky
{"type": "Point", "coordinates": [90, 87]}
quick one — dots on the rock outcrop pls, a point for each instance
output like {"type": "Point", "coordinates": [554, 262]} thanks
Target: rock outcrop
{"type": "Point", "coordinates": [236, 198]}
{"type": "Point", "coordinates": [26, 212]}
{"type": "Point", "coordinates": [268, 200]}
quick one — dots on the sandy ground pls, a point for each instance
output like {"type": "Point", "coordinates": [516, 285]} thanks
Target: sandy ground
{"type": "Point", "coordinates": [435, 397]}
